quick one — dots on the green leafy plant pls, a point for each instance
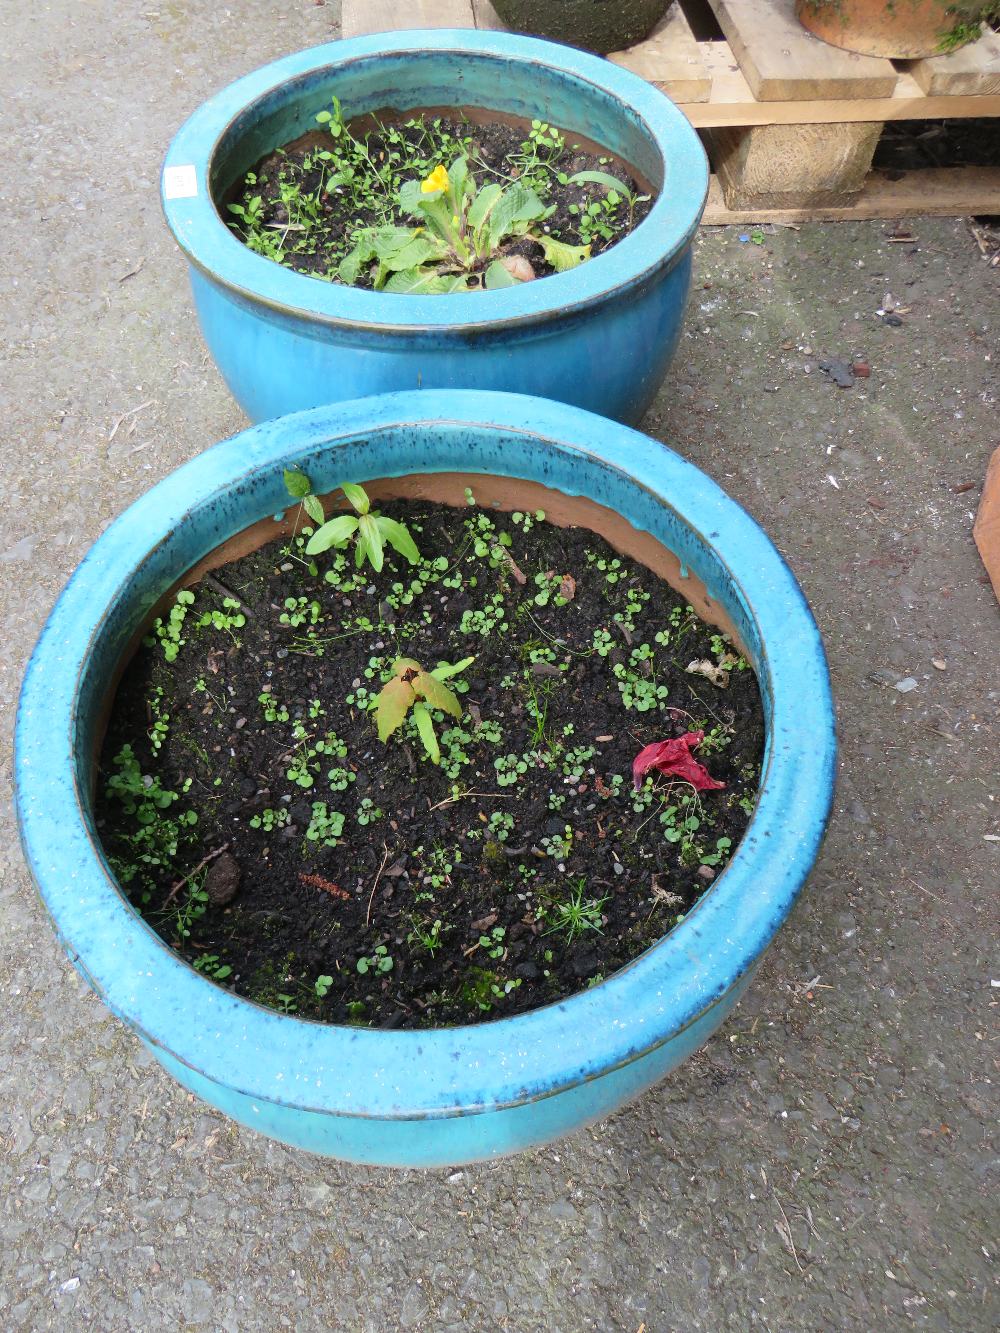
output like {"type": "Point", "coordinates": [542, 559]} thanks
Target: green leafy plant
{"type": "Point", "coordinates": [210, 965]}
{"type": "Point", "coordinates": [380, 960]}
{"type": "Point", "coordinates": [299, 487]}
{"type": "Point", "coordinates": [325, 826]}
{"type": "Point", "coordinates": [371, 532]}
{"type": "Point", "coordinates": [574, 914]}
{"type": "Point", "coordinates": [322, 985]}
{"type": "Point", "coordinates": [269, 819]}
{"type": "Point", "coordinates": [412, 690]}
{"type": "Point", "coordinates": [458, 245]}
{"type": "Point", "coordinates": [169, 632]}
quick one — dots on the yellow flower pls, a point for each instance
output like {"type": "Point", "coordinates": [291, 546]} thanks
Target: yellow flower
{"type": "Point", "coordinates": [437, 180]}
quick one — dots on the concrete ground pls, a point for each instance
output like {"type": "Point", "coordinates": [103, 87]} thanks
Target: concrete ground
{"type": "Point", "coordinates": [824, 1163]}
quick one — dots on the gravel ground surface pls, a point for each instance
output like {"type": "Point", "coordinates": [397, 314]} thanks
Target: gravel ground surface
{"type": "Point", "coordinates": [824, 1163]}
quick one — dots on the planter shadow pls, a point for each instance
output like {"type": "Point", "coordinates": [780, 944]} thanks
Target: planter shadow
{"type": "Point", "coordinates": [447, 1095]}
{"type": "Point", "coordinates": [600, 336]}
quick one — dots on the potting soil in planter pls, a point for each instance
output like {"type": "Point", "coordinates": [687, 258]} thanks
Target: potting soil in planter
{"type": "Point", "coordinates": [251, 812]}
{"type": "Point", "coordinates": [333, 204]}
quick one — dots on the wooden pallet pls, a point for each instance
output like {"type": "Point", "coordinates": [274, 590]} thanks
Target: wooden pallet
{"type": "Point", "coordinates": [790, 123]}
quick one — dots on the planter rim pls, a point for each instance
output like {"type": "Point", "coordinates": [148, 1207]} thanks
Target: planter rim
{"type": "Point", "coordinates": [654, 245]}
{"type": "Point", "coordinates": [444, 1071]}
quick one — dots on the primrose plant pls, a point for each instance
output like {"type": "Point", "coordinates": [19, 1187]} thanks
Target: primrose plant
{"type": "Point", "coordinates": [459, 243]}
{"type": "Point", "coordinates": [412, 690]}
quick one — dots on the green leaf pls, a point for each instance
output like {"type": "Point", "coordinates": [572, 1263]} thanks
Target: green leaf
{"type": "Point", "coordinates": [296, 483]}
{"type": "Point", "coordinates": [372, 538]}
{"type": "Point", "coordinates": [313, 508]}
{"type": "Point", "coordinates": [498, 276]}
{"type": "Point", "coordinates": [363, 253]}
{"type": "Point", "coordinates": [418, 251]}
{"type": "Point", "coordinates": [425, 730]}
{"type": "Point", "coordinates": [484, 204]}
{"type": "Point", "coordinates": [357, 496]}
{"type": "Point", "coordinates": [410, 198]}
{"type": "Point", "coordinates": [425, 282]}
{"type": "Point", "coordinates": [334, 533]}
{"type": "Point", "coordinates": [392, 705]}
{"type": "Point", "coordinates": [518, 204]}
{"type": "Point", "coordinates": [601, 178]}
{"type": "Point", "coordinates": [398, 538]}
{"type": "Point", "coordinates": [445, 670]}
{"type": "Point", "coordinates": [560, 255]}
{"type": "Point", "coordinates": [458, 181]}
{"type": "Point", "coordinates": [428, 687]}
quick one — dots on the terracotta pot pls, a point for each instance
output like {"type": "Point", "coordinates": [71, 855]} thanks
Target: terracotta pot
{"type": "Point", "coordinates": [897, 29]}
{"type": "Point", "coordinates": [592, 25]}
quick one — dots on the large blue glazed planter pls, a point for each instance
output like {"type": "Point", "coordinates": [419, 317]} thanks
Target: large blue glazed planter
{"type": "Point", "coordinates": [600, 336]}
{"type": "Point", "coordinates": [447, 1095]}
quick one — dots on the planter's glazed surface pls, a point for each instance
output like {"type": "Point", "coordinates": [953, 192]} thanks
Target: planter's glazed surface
{"type": "Point", "coordinates": [444, 1095]}
{"type": "Point", "coordinates": [594, 25]}
{"type": "Point", "coordinates": [600, 336]}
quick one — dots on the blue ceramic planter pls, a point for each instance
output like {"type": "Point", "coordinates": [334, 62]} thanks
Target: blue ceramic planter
{"type": "Point", "coordinates": [464, 1093]}
{"type": "Point", "coordinates": [600, 336]}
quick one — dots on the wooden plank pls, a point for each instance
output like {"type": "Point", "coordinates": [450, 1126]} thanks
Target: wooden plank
{"type": "Point", "coordinates": [936, 192]}
{"type": "Point", "coordinates": [362, 16]}
{"type": "Point", "coordinates": [732, 102]}
{"type": "Point", "coordinates": [670, 57]}
{"type": "Point", "coordinates": [783, 62]}
{"type": "Point", "coordinates": [487, 17]}
{"type": "Point", "coordinates": [971, 69]}
{"type": "Point", "coordinates": [776, 166]}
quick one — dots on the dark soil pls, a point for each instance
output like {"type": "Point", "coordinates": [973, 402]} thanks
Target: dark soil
{"type": "Point", "coordinates": [405, 150]}
{"type": "Point", "coordinates": [279, 908]}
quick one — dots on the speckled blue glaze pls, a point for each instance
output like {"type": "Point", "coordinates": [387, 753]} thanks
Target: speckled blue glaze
{"type": "Point", "coordinates": [465, 1093]}
{"type": "Point", "coordinates": [601, 336]}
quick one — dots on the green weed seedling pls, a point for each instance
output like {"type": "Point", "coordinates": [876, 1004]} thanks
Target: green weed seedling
{"type": "Point", "coordinates": [414, 691]}
{"type": "Point", "coordinates": [273, 711]}
{"type": "Point", "coordinates": [229, 618]}
{"type": "Point", "coordinates": [209, 964]}
{"type": "Point", "coordinates": [501, 825]}
{"type": "Point", "coordinates": [368, 812]}
{"type": "Point", "coordinates": [371, 532]}
{"type": "Point", "coordinates": [510, 768]}
{"type": "Point", "coordinates": [379, 961]}
{"type": "Point", "coordinates": [492, 943]}
{"type": "Point", "coordinates": [575, 913]}
{"type": "Point", "coordinates": [300, 611]}
{"type": "Point", "coordinates": [269, 819]}
{"type": "Point", "coordinates": [325, 826]}
{"type": "Point", "coordinates": [169, 632]}
{"type": "Point", "coordinates": [428, 938]}
{"type": "Point", "coordinates": [322, 986]}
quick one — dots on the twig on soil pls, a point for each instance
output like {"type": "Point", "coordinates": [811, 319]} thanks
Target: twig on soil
{"type": "Point", "coordinates": [385, 857]}
{"type": "Point", "coordinates": [927, 891]}
{"type": "Point", "coordinates": [191, 873]}
{"type": "Point", "coordinates": [132, 271]}
{"type": "Point", "coordinates": [450, 800]}
{"type": "Point", "coordinates": [213, 582]}
{"type": "Point", "coordinates": [785, 1232]}
{"type": "Point", "coordinates": [125, 416]}
{"type": "Point", "coordinates": [512, 565]}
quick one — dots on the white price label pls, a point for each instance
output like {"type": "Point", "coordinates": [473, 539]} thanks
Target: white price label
{"type": "Point", "coordinates": [180, 183]}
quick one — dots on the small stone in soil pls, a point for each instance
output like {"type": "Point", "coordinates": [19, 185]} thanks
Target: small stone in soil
{"type": "Point", "coordinates": [223, 880]}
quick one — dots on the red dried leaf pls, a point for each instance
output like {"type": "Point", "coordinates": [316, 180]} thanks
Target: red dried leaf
{"type": "Point", "coordinates": [674, 758]}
